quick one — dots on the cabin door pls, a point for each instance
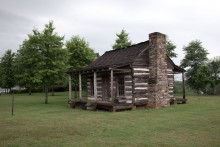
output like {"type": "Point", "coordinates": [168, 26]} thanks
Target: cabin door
{"type": "Point", "coordinates": [105, 87]}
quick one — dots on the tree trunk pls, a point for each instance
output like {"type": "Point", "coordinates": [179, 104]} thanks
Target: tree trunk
{"type": "Point", "coordinates": [75, 91]}
{"type": "Point", "coordinates": [214, 88]}
{"type": "Point", "coordinates": [52, 90]}
{"type": "Point", "coordinates": [29, 91]}
{"type": "Point", "coordinates": [46, 95]}
{"type": "Point", "coordinates": [10, 90]}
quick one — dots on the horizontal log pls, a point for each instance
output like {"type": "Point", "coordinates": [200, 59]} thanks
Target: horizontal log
{"type": "Point", "coordinates": [128, 90]}
{"type": "Point", "coordinates": [140, 69]}
{"type": "Point", "coordinates": [140, 74]}
{"type": "Point", "coordinates": [128, 79]}
{"type": "Point", "coordinates": [128, 87]}
{"type": "Point", "coordinates": [141, 88]}
{"type": "Point", "coordinates": [141, 95]}
{"type": "Point", "coordinates": [128, 76]}
{"type": "Point", "coordinates": [128, 82]}
{"type": "Point", "coordinates": [128, 97]}
{"type": "Point", "coordinates": [129, 101]}
{"type": "Point", "coordinates": [146, 77]}
{"type": "Point", "coordinates": [139, 99]}
{"type": "Point", "coordinates": [128, 93]}
{"type": "Point", "coordinates": [140, 84]}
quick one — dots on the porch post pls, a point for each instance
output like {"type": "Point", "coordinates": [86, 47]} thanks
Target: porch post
{"type": "Point", "coordinates": [112, 85]}
{"type": "Point", "coordinates": [80, 86]}
{"type": "Point", "coordinates": [70, 88]}
{"type": "Point", "coordinates": [183, 80]}
{"type": "Point", "coordinates": [95, 85]}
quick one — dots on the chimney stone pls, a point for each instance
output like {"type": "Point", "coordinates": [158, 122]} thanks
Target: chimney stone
{"type": "Point", "coordinates": [158, 80]}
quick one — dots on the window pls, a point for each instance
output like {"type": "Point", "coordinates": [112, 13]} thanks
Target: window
{"type": "Point", "coordinates": [121, 86]}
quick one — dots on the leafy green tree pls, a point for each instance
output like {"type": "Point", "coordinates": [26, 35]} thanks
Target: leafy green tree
{"type": "Point", "coordinates": [213, 66]}
{"type": "Point", "coordinates": [170, 49]}
{"type": "Point", "coordinates": [197, 78]}
{"type": "Point", "coordinates": [122, 40]}
{"type": "Point", "coordinates": [81, 54]}
{"type": "Point", "coordinates": [195, 57]}
{"type": "Point", "coordinates": [42, 59]}
{"type": "Point", "coordinates": [195, 54]}
{"type": "Point", "coordinates": [26, 64]}
{"type": "Point", "coordinates": [7, 70]}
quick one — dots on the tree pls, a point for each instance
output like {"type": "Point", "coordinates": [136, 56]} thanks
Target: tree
{"type": "Point", "coordinates": [195, 57]}
{"type": "Point", "coordinates": [26, 64]}
{"type": "Point", "coordinates": [197, 78]}
{"type": "Point", "coordinates": [7, 70]}
{"type": "Point", "coordinates": [42, 60]}
{"type": "Point", "coordinates": [213, 66]}
{"type": "Point", "coordinates": [170, 48]}
{"type": "Point", "coordinates": [195, 54]}
{"type": "Point", "coordinates": [80, 56]}
{"type": "Point", "coordinates": [80, 53]}
{"type": "Point", "coordinates": [122, 40]}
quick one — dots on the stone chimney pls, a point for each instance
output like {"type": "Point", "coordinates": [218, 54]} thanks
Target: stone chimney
{"type": "Point", "coordinates": [158, 80]}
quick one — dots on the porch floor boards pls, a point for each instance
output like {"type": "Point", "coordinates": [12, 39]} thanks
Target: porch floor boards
{"type": "Point", "coordinates": [87, 104]}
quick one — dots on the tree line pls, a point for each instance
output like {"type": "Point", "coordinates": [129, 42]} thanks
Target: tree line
{"type": "Point", "coordinates": [43, 59]}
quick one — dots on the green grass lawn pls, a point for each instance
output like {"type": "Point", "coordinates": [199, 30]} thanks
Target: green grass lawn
{"type": "Point", "coordinates": [196, 123]}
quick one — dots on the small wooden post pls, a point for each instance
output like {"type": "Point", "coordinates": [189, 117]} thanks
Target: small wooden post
{"type": "Point", "coordinates": [183, 80]}
{"type": "Point", "coordinates": [80, 86]}
{"type": "Point", "coordinates": [70, 88]}
{"type": "Point", "coordinates": [112, 85]}
{"type": "Point", "coordinates": [95, 85]}
{"type": "Point", "coordinates": [12, 104]}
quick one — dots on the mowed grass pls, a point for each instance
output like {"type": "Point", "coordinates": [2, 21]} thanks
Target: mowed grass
{"type": "Point", "coordinates": [196, 123]}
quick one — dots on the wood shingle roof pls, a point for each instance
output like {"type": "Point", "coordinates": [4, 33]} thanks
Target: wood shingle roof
{"type": "Point", "coordinates": [123, 56]}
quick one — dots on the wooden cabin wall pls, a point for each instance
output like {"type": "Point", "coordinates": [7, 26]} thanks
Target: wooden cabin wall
{"type": "Point", "coordinates": [127, 83]}
{"type": "Point", "coordinates": [88, 85]}
{"type": "Point", "coordinates": [99, 86]}
{"type": "Point", "coordinates": [140, 80]}
{"type": "Point", "coordinates": [170, 76]}
{"type": "Point", "coordinates": [128, 86]}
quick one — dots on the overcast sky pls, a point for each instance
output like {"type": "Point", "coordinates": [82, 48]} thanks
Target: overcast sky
{"type": "Point", "coordinates": [98, 21]}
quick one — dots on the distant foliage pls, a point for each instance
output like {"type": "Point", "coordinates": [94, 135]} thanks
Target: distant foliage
{"type": "Point", "coordinates": [195, 57]}
{"type": "Point", "coordinates": [7, 70]}
{"type": "Point", "coordinates": [195, 54]}
{"type": "Point", "coordinates": [122, 40]}
{"type": "Point", "coordinates": [80, 53]}
{"type": "Point", "coordinates": [213, 68]}
{"type": "Point", "coordinates": [170, 49]}
{"type": "Point", "coordinates": [41, 59]}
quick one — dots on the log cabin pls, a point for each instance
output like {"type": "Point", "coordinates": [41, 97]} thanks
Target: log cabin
{"type": "Point", "coordinates": [138, 75]}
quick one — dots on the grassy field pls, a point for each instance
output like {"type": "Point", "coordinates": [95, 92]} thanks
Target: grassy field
{"type": "Point", "coordinates": [36, 124]}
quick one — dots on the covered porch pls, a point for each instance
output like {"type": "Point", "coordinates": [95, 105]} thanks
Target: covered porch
{"type": "Point", "coordinates": [106, 89]}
